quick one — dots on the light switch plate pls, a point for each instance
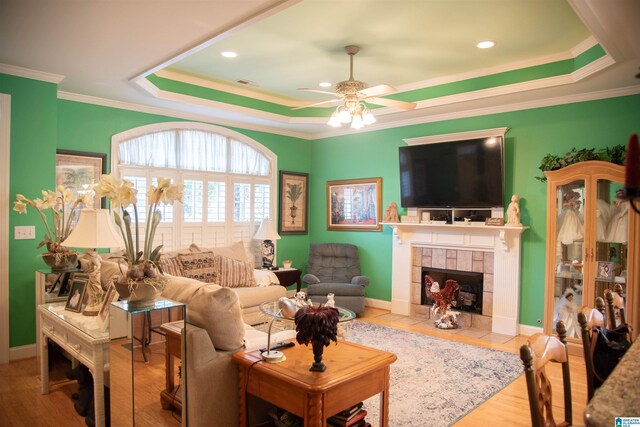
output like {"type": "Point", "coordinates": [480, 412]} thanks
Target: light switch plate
{"type": "Point", "coordinates": [25, 232]}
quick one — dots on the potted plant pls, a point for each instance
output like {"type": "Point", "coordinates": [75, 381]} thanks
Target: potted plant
{"type": "Point", "coordinates": [317, 325]}
{"type": "Point", "coordinates": [144, 279]}
{"type": "Point", "coordinates": [63, 207]}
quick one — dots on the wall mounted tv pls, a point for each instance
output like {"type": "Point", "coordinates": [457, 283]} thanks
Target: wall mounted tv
{"type": "Point", "coordinates": [457, 174]}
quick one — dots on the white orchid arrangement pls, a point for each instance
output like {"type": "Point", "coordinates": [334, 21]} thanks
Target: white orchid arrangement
{"type": "Point", "coordinates": [63, 206]}
{"type": "Point", "coordinates": [122, 194]}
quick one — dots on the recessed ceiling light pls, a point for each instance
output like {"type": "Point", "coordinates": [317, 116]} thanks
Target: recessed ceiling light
{"type": "Point", "coordinates": [229, 54]}
{"type": "Point", "coordinates": [325, 84]}
{"type": "Point", "coordinates": [486, 44]}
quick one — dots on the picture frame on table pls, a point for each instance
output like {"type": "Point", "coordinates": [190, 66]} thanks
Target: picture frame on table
{"type": "Point", "coordinates": [76, 295]}
{"type": "Point", "coordinates": [294, 203]}
{"type": "Point", "coordinates": [354, 204]}
{"type": "Point", "coordinates": [110, 296]}
{"type": "Point", "coordinates": [79, 171]}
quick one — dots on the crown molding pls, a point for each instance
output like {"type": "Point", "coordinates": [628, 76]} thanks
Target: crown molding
{"type": "Point", "coordinates": [86, 99]}
{"type": "Point", "coordinates": [507, 108]}
{"type": "Point", "coordinates": [592, 68]}
{"type": "Point", "coordinates": [457, 136]}
{"type": "Point", "coordinates": [28, 73]}
{"type": "Point", "coordinates": [583, 46]}
{"type": "Point", "coordinates": [223, 87]}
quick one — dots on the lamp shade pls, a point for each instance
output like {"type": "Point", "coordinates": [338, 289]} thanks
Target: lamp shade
{"type": "Point", "coordinates": [94, 229]}
{"type": "Point", "coordinates": [267, 231]}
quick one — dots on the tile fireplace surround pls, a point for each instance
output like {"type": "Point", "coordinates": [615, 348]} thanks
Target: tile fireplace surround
{"type": "Point", "coordinates": [492, 250]}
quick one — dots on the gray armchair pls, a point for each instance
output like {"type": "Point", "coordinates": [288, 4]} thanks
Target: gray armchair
{"type": "Point", "coordinates": [335, 268]}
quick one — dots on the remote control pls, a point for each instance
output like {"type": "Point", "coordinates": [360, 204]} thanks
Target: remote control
{"type": "Point", "coordinates": [279, 345]}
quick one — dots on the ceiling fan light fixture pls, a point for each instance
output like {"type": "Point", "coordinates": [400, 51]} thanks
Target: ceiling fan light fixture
{"type": "Point", "coordinates": [334, 120]}
{"type": "Point", "coordinates": [344, 115]}
{"type": "Point", "coordinates": [367, 118]}
{"type": "Point", "coordinates": [356, 122]}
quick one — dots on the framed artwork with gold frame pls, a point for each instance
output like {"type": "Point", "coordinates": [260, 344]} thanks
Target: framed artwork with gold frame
{"type": "Point", "coordinates": [354, 204]}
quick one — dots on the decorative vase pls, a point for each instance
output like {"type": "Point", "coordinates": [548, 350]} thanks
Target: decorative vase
{"type": "Point", "coordinates": [140, 292]}
{"type": "Point", "coordinates": [318, 349]}
{"type": "Point", "coordinates": [60, 261]}
{"type": "Point", "coordinates": [293, 215]}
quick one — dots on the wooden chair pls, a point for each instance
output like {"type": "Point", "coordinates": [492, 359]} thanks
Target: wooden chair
{"type": "Point", "coordinates": [540, 350]}
{"type": "Point", "coordinates": [615, 302]}
{"type": "Point", "coordinates": [588, 318]}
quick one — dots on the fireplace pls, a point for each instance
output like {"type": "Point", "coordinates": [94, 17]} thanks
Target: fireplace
{"type": "Point", "coordinates": [470, 299]}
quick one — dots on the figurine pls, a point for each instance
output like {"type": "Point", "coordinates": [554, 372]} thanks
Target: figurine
{"type": "Point", "coordinates": [300, 299]}
{"type": "Point", "coordinates": [513, 211]}
{"type": "Point", "coordinates": [391, 213]}
{"type": "Point", "coordinates": [443, 301]}
{"type": "Point", "coordinates": [331, 302]}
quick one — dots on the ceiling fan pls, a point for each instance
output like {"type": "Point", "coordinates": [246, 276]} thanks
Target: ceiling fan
{"type": "Point", "coordinates": [354, 91]}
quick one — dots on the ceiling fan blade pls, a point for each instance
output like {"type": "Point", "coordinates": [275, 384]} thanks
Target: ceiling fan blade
{"type": "Point", "coordinates": [402, 105]}
{"type": "Point", "coordinates": [318, 91]}
{"type": "Point", "coordinates": [377, 90]}
{"type": "Point", "coordinates": [317, 104]}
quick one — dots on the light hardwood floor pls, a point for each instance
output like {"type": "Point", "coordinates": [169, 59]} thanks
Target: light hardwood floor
{"type": "Point", "coordinates": [21, 403]}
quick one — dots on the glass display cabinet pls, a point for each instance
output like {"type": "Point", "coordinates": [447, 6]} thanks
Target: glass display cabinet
{"type": "Point", "coordinates": [590, 234]}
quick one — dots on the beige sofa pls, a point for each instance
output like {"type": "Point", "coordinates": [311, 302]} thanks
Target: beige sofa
{"type": "Point", "coordinates": [215, 330]}
{"type": "Point", "coordinates": [217, 318]}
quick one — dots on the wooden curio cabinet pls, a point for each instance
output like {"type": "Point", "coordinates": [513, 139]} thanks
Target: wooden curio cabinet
{"type": "Point", "coordinates": [592, 243]}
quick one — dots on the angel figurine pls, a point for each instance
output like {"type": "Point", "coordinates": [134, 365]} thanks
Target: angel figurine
{"type": "Point", "coordinates": [331, 302]}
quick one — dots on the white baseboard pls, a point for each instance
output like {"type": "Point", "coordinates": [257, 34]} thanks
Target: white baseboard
{"type": "Point", "coordinates": [22, 352]}
{"type": "Point", "coordinates": [530, 330]}
{"type": "Point", "coordinates": [377, 303]}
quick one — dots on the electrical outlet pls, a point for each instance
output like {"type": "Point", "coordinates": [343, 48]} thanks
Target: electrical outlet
{"type": "Point", "coordinates": [25, 232]}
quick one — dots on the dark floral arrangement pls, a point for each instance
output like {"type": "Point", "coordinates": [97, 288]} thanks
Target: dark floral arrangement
{"type": "Point", "coordinates": [317, 325]}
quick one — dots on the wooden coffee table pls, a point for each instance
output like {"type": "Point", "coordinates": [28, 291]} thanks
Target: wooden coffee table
{"type": "Point", "coordinates": [354, 373]}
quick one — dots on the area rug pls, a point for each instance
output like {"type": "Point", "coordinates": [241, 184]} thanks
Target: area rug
{"type": "Point", "coordinates": [434, 382]}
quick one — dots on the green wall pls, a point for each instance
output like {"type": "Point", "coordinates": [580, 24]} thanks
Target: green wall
{"type": "Point", "coordinates": [33, 144]}
{"type": "Point", "coordinates": [40, 123]}
{"type": "Point", "coordinates": [533, 133]}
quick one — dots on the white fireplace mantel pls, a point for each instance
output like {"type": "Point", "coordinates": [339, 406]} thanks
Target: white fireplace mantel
{"type": "Point", "coordinates": [503, 241]}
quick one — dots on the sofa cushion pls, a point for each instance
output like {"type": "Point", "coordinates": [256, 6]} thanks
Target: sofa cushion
{"type": "Point", "coordinates": [211, 307]}
{"type": "Point", "coordinates": [235, 251]}
{"type": "Point", "coordinates": [110, 269]}
{"type": "Point", "coordinates": [200, 266]}
{"type": "Point", "coordinates": [231, 273]}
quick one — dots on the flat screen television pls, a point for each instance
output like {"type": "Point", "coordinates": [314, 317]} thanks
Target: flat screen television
{"type": "Point", "coordinates": [457, 174]}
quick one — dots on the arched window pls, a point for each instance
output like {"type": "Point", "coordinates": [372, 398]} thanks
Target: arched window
{"type": "Point", "coordinates": [229, 181]}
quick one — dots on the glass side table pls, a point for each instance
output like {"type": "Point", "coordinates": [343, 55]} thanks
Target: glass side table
{"type": "Point", "coordinates": [271, 310]}
{"type": "Point", "coordinates": [130, 365]}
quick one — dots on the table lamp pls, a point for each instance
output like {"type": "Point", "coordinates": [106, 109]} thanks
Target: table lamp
{"type": "Point", "coordinates": [94, 230]}
{"type": "Point", "coordinates": [288, 309]}
{"type": "Point", "coordinates": [267, 233]}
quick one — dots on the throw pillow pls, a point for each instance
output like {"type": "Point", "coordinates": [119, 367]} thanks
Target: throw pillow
{"type": "Point", "coordinates": [199, 266]}
{"type": "Point", "coordinates": [170, 265]}
{"type": "Point", "coordinates": [232, 273]}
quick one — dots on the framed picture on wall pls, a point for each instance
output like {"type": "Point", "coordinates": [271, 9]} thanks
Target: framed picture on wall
{"type": "Point", "coordinates": [80, 171]}
{"type": "Point", "coordinates": [354, 204]}
{"type": "Point", "coordinates": [294, 203]}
